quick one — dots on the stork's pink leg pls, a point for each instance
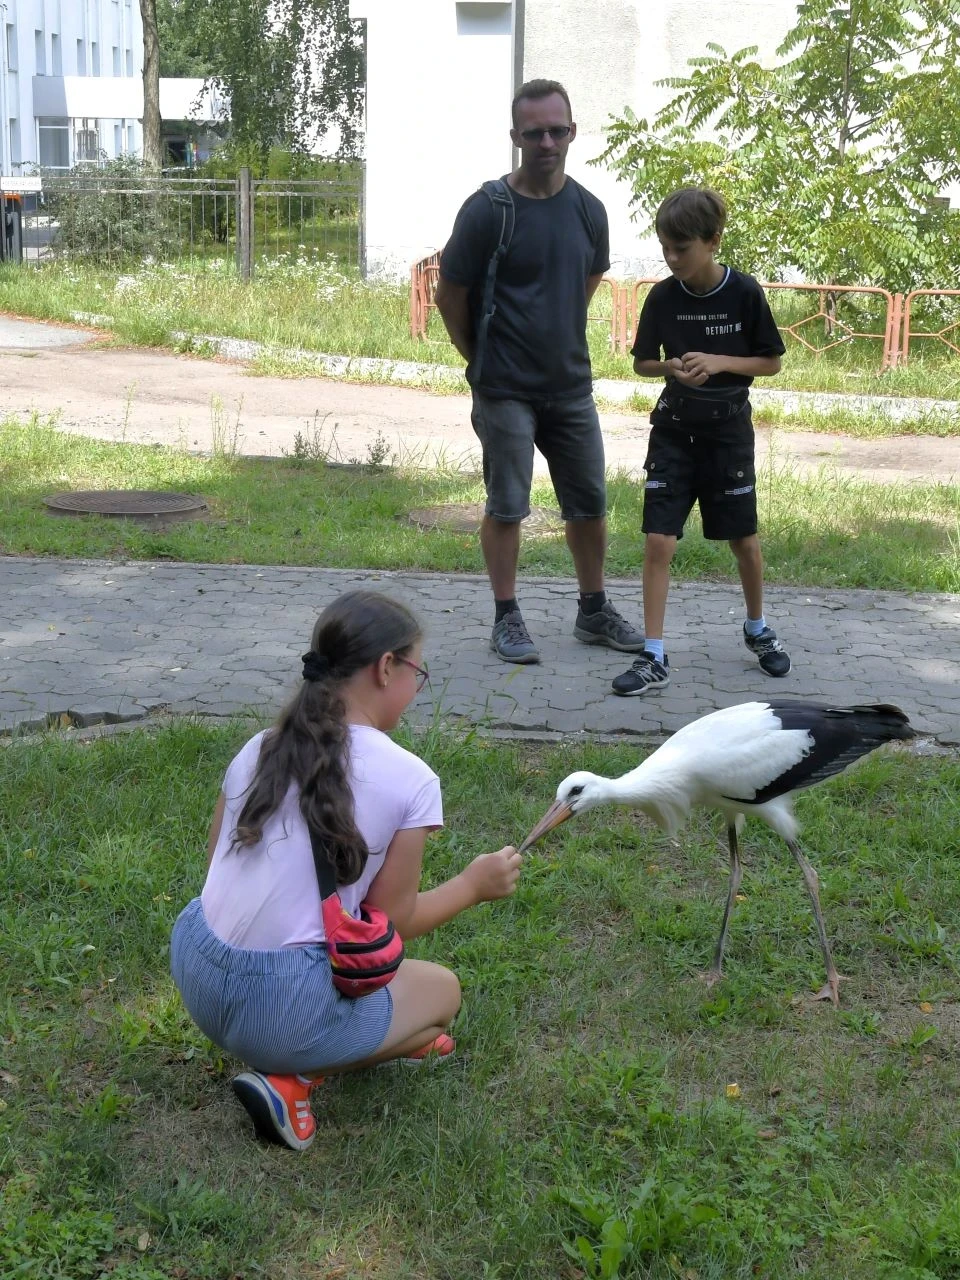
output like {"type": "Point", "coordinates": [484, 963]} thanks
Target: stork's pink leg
{"type": "Point", "coordinates": [715, 972]}
{"type": "Point", "coordinates": [831, 991]}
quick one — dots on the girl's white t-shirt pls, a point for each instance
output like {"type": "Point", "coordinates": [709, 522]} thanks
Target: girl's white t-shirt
{"type": "Point", "coordinates": [266, 896]}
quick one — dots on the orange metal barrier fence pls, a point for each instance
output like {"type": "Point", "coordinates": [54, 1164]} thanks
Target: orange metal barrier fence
{"type": "Point", "coordinates": [836, 330]}
{"type": "Point", "coordinates": [423, 285]}
{"type": "Point", "coordinates": [940, 335]}
{"type": "Point", "coordinates": [893, 330]}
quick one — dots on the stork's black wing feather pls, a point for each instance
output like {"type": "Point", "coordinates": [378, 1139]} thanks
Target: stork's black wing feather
{"type": "Point", "coordinates": [840, 736]}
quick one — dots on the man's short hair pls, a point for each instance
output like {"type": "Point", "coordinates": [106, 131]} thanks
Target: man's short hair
{"type": "Point", "coordinates": [535, 89]}
{"type": "Point", "coordinates": [692, 213]}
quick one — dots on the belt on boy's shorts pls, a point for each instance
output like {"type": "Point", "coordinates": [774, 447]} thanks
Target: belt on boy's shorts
{"type": "Point", "coordinates": [701, 407]}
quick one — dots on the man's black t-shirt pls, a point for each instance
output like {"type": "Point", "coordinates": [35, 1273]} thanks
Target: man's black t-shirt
{"type": "Point", "coordinates": [536, 342]}
{"type": "Point", "coordinates": [734, 319]}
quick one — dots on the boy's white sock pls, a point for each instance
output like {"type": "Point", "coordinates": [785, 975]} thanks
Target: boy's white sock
{"type": "Point", "coordinates": [753, 626]}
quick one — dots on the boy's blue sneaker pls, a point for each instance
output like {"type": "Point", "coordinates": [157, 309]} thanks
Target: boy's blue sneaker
{"type": "Point", "coordinates": [646, 673]}
{"type": "Point", "coordinates": [607, 626]}
{"type": "Point", "coordinates": [773, 658]}
{"type": "Point", "coordinates": [511, 639]}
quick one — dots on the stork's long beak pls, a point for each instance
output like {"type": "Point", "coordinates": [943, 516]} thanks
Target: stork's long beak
{"type": "Point", "coordinates": [557, 813]}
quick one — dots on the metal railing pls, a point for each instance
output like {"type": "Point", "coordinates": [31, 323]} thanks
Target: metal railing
{"type": "Point", "coordinates": [423, 287]}
{"type": "Point", "coordinates": [833, 327]}
{"type": "Point", "coordinates": [836, 316]}
{"type": "Point", "coordinates": [425, 274]}
{"type": "Point", "coordinates": [98, 217]}
{"type": "Point", "coordinates": [912, 334]}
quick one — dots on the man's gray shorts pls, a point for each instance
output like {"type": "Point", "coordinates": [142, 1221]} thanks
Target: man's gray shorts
{"type": "Point", "coordinates": [567, 433]}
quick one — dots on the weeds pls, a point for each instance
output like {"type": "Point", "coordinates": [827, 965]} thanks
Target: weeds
{"type": "Point", "coordinates": [226, 436]}
{"type": "Point", "coordinates": [305, 301]}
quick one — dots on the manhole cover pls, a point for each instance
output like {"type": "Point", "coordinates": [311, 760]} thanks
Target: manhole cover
{"type": "Point", "coordinates": [465, 517]}
{"type": "Point", "coordinates": [136, 504]}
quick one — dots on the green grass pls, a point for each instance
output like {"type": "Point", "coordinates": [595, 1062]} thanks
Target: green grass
{"type": "Point", "coordinates": [867, 423]}
{"type": "Point", "coordinates": [306, 299]}
{"type": "Point", "coordinates": [827, 530]}
{"type": "Point", "coordinates": [585, 1128]}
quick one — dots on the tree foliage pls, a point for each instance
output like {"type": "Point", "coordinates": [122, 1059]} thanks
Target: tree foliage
{"type": "Point", "coordinates": [181, 53]}
{"type": "Point", "coordinates": [292, 70]}
{"type": "Point", "coordinates": [832, 161]}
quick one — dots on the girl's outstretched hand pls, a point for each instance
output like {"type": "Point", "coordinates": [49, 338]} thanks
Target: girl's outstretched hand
{"type": "Point", "coordinates": [494, 875]}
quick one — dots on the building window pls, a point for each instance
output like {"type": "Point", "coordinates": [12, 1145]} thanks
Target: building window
{"type": "Point", "coordinates": [129, 58]}
{"type": "Point", "coordinates": [116, 61]}
{"type": "Point", "coordinates": [118, 139]}
{"type": "Point", "coordinates": [95, 57]}
{"type": "Point", "coordinates": [56, 58]}
{"type": "Point", "coordinates": [131, 139]}
{"type": "Point", "coordinates": [39, 54]}
{"type": "Point", "coordinates": [87, 144]}
{"type": "Point", "coordinates": [11, 47]}
{"type": "Point", "coordinates": [15, 156]}
{"type": "Point", "coordinates": [54, 142]}
{"type": "Point", "coordinates": [81, 58]}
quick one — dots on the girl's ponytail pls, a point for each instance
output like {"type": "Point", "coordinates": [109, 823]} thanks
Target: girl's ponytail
{"type": "Point", "coordinates": [308, 746]}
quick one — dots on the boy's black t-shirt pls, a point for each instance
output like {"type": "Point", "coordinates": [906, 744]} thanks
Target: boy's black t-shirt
{"type": "Point", "coordinates": [536, 342]}
{"type": "Point", "coordinates": [734, 319]}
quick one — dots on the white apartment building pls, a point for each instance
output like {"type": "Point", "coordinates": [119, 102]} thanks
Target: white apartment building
{"type": "Point", "coordinates": [71, 84]}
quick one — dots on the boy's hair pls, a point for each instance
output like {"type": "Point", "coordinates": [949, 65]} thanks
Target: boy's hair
{"type": "Point", "coordinates": [308, 744]}
{"type": "Point", "coordinates": [692, 213]}
{"type": "Point", "coordinates": [535, 89]}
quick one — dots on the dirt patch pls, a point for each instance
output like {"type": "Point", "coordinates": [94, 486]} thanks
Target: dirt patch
{"type": "Point", "coordinates": [465, 517]}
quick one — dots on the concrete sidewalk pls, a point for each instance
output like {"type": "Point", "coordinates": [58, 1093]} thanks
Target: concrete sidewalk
{"type": "Point", "coordinates": [96, 640]}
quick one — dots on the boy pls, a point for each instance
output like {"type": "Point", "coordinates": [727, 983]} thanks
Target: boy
{"type": "Point", "coordinates": [717, 335]}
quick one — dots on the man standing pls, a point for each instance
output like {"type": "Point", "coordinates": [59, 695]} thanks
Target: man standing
{"type": "Point", "coordinates": [531, 379]}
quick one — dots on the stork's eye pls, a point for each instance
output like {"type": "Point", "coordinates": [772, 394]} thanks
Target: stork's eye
{"type": "Point", "coordinates": [577, 791]}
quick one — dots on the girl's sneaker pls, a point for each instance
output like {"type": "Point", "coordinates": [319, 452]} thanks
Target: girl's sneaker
{"type": "Point", "coordinates": [279, 1107]}
{"type": "Point", "coordinates": [439, 1050]}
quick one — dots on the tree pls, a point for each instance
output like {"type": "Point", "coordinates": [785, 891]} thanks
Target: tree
{"type": "Point", "coordinates": [832, 161]}
{"type": "Point", "coordinates": [152, 143]}
{"type": "Point", "coordinates": [292, 70]}
{"type": "Point", "coordinates": [181, 54]}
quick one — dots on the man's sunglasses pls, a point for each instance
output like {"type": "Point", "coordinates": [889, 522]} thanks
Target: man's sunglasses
{"type": "Point", "coordinates": [556, 131]}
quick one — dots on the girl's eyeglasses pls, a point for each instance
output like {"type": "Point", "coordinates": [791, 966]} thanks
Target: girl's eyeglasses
{"type": "Point", "coordinates": [423, 675]}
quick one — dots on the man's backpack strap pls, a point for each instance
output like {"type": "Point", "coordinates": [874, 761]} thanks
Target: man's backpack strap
{"type": "Point", "coordinates": [498, 193]}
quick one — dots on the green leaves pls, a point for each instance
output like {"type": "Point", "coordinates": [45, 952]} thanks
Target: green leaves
{"type": "Point", "coordinates": [292, 70]}
{"type": "Point", "coordinates": [831, 161]}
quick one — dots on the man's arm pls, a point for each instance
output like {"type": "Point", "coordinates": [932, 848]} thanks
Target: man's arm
{"type": "Point", "coordinates": [453, 304]}
{"type": "Point", "coordinates": [592, 285]}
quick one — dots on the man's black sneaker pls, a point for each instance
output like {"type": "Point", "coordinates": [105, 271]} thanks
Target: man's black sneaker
{"type": "Point", "coordinates": [608, 627]}
{"type": "Point", "coordinates": [646, 673]}
{"type": "Point", "coordinates": [511, 639]}
{"type": "Point", "coordinates": [773, 658]}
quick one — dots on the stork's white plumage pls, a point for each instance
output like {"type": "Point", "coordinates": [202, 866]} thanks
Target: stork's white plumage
{"type": "Point", "coordinates": [745, 759]}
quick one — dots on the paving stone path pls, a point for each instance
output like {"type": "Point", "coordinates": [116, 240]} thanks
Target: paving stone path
{"type": "Point", "coordinates": [89, 641]}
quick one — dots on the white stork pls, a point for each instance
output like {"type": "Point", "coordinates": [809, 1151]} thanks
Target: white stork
{"type": "Point", "coordinates": [745, 759]}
